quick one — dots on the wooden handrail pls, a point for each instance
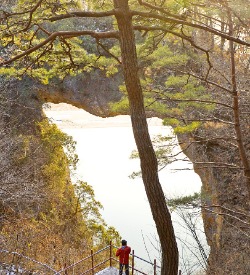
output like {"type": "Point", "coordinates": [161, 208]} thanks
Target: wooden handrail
{"type": "Point", "coordinates": [94, 266]}
{"type": "Point", "coordinates": [110, 259]}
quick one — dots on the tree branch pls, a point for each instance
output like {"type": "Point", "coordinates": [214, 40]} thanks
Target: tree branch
{"type": "Point", "coordinates": [107, 51]}
{"type": "Point", "coordinates": [81, 14]}
{"type": "Point", "coordinates": [206, 80]}
{"type": "Point", "coordinates": [218, 164]}
{"type": "Point", "coordinates": [185, 23]}
{"type": "Point", "coordinates": [31, 11]}
{"type": "Point", "coordinates": [196, 100]}
{"type": "Point", "coordinates": [65, 34]}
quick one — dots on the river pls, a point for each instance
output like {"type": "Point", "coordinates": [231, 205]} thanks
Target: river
{"type": "Point", "coordinates": [104, 146]}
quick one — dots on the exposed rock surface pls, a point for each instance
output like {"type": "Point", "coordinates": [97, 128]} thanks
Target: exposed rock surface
{"type": "Point", "coordinates": [40, 215]}
{"type": "Point", "coordinates": [91, 92]}
{"type": "Point", "coordinates": [225, 204]}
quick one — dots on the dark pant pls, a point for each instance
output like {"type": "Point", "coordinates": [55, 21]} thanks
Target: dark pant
{"type": "Point", "coordinates": [126, 269]}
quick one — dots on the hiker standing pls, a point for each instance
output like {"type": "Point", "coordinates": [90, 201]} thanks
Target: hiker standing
{"type": "Point", "coordinates": [123, 253]}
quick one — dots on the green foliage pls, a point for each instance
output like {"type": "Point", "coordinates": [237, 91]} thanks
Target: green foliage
{"type": "Point", "coordinates": [177, 97]}
{"type": "Point", "coordinates": [54, 140]}
{"type": "Point", "coordinates": [181, 129]}
{"type": "Point", "coordinates": [154, 105]}
{"type": "Point", "coordinates": [135, 175]}
{"type": "Point", "coordinates": [163, 56]}
{"type": "Point", "coordinates": [60, 57]}
{"type": "Point", "coordinates": [171, 95]}
{"type": "Point", "coordinates": [72, 208]}
{"type": "Point", "coordinates": [120, 107]}
{"type": "Point", "coordinates": [188, 97]}
{"type": "Point", "coordinates": [99, 4]}
{"type": "Point", "coordinates": [179, 101]}
{"type": "Point", "coordinates": [90, 209]}
{"type": "Point", "coordinates": [162, 147]}
{"type": "Point", "coordinates": [176, 81]}
{"type": "Point", "coordinates": [89, 206]}
{"type": "Point", "coordinates": [123, 105]}
{"type": "Point", "coordinates": [191, 200]}
{"type": "Point", "coordinates": [159, 56]}
{"type": "Point", "coordinates": [178, 5]}
{"type": "Point", "coordinates": [58, 61]}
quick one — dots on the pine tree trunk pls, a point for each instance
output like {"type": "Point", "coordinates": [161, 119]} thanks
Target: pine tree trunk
{"type": "Point", "coordinates": [149, 166]}
{"type": "Point", "coordinates": [236, 109]}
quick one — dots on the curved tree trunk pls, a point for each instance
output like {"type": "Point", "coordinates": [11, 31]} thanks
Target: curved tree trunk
{"type": "Point", "coordinates": [149, 166]}
{"type": "Point", "coordinates": [236, 109]}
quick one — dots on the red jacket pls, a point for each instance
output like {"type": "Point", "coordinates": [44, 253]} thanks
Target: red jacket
{"type": "Point", "coordinates": [123, 254]}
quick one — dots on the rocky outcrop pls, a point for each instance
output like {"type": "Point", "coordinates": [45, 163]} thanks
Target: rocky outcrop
{"type": "Point", "coordinates": [40, 215]}
{"type": "Point", "coordinates": [90, 91]}
{"type": "Point", "coordinates": [225, 202]}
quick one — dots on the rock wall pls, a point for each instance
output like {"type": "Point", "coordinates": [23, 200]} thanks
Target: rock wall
{"type": "Point", "coordinates": [225, 203]}
{"type": "Point", "coordinates": [92, 92]}
{"type": "Point", "coordinates": [40, 215]}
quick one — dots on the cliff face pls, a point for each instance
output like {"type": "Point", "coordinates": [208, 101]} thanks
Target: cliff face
{"type": "Point", "coordinates": [40, 215]}
{"type": "Point", "coordinates": [91, 92]}
{"type": "Point", "coordinates": [225, 205]}
{"type": "Point", "coordinates": [37, 213]}
{"type": "Point", "coordinates": [28, 195]}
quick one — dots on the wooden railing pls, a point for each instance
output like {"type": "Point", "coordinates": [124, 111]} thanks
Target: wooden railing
{"type": "Point", "coordinates": [111, 260]}
{"type": "Point", "coordinates": [94, 266]}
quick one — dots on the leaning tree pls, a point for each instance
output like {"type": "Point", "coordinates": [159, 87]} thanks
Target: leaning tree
{"type": "Point", "coordinates": [43, 39]}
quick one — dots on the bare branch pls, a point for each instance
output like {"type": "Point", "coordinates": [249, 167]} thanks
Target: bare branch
{"type": "Point", "coordinates": [229, 209]}
{"type": "Point", "coordinates": [162, 10]}
{"type": "Point", "coordinates": [218, 164]}
{"type": "Point", "coordinates": [31, 11]}
{"type": "Point", "coordinates": [208, 208]}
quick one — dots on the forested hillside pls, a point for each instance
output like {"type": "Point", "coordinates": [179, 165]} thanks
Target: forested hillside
{"type": "Point", "coordinates": [186, 62]}
{"type": "Point", "coordinates": [43, 216]}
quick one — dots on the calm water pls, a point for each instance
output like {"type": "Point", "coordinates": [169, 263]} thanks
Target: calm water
{"type": "Point", "coordinates": [104, 147]}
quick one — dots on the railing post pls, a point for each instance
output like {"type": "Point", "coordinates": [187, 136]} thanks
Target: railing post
{"type": "Point", "coordinates": [133, 261]}
{"type": "Point", "coordinates": [110, 254]}
{"type": "Point", "coordinates": [92, 262]}
{"type": "Point", "coordinates": [154, 266]}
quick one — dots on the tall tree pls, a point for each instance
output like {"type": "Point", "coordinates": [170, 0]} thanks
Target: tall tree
{"type": "Point", "coordinates": [147, 155]}
{"type": "Point", "coordinates": [48, 50]}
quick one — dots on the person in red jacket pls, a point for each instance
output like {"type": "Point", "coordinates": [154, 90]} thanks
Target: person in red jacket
{"type": "Point", "coordinates": [123, 253]}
